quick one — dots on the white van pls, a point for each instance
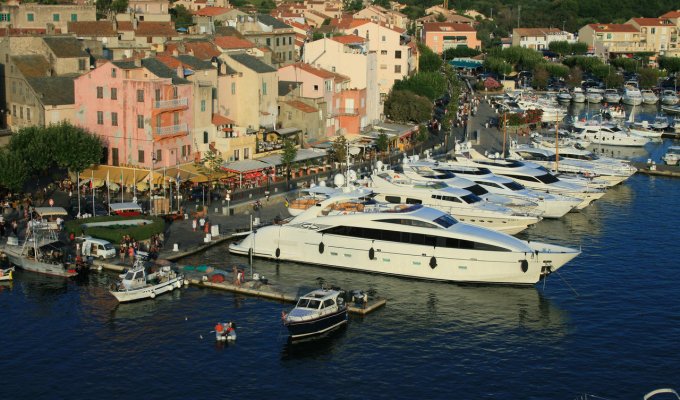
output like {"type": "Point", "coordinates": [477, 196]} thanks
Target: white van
{"type": "Point", "coordinates": [98, 248]}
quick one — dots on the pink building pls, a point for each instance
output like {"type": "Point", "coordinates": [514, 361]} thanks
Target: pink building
{"type": "Point", "coordinates": [440, 36]}
{"type": "Point", "coordinates": [141, 109]}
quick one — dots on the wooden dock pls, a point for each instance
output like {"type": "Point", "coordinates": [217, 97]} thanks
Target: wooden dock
{"type": "Point", "coordinates": [369, 308]}
{"type": "Point", "coordinates": [244, 290]}
{"type": "Point", "coordinates": [657, 169]}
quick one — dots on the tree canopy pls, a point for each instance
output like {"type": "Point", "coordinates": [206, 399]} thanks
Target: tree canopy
{"type": "Point", "coordinates": [182, 17]}
{"type": "Point", "coordinates": [429, 61]}
{"type": "Point", "coordinates": [288, 155]}
{"type": "Point", "coordinates": [406, 106]}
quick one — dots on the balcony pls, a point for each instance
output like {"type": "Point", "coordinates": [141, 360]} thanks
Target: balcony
{"type": "Point", "coordinates": [171, 104]}
{"type": "Point", "coordinates": [345, 111]}
{"type": "Point", "coordinates": [171, 130]}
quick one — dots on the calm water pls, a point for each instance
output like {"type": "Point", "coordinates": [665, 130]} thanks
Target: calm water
{"type": "Point", "coordinates": [608, 325]}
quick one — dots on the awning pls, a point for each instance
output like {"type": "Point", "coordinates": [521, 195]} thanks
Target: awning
{"type": "Point", "coordinates": [302, 155]}
{"type": "Point", "coordinates": [242, 166]}
{"type": "Point", "coordinates": [287, 131]}
{"type": "Point", "coordinates": [49, 211]}
{"type": "Point", "coordinates": [128, 175]}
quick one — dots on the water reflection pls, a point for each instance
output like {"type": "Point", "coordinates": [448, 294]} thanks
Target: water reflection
{"type": "Point", "coordinates": [313, 347]}
{"type": "Point", "coordinates": [39, 287]}
{"type": "Point", "coordinates": [622, 152]}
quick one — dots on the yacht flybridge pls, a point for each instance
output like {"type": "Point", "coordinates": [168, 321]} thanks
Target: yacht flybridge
{"type": "Point", "coordinates": [412, 241]}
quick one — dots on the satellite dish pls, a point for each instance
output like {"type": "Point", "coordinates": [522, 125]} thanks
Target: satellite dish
{"type": "Point", "coordinates": [322, 183]}
{"type": "Point", "coordinates": [339, 180]}
{"type": "Point", "coordinates": [311, 185]}
{"type": "Point", "coordinates": [497, 155]}
{"type": "Point", "coordinates": [354, 151]}
{"type": "Point", "coordinates": [352, 174]}
{"type": "Point", "coordinates": [379, 165]}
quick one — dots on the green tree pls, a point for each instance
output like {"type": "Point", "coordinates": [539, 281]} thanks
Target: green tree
{"type": "Point", "coordinates": [13, 170]}
{"type": "Point", "coordinates": [460, 51]}
{"type": "Point", "coordinates": [429, 84]}
{"type": "Point", "coordinates": [353, 5]}
{"type": "Point", "coordinates": [181, 16]}
{"type": "Point", "coordinates": [288, 155]}
{"type": "Point", "coordinates": [575, 77]}
{"type": "Point", "coordinates": [266, 6]}
{"type": "Point", "coordinates": [429, 61]}
{"type": "Point", "coordinates": [119, 6]}
{"type": "Point", "coordinates": [406, 106]}
{"type": "Point", "coordinates": [540, 78]}
{"type": "Point", "coordinates": [649, 77]}
{"type": "Point", "coordinates": [210, 165]}
{"type": "Point", "coordinates": [560, 47]}
{"type": "Point", "coordinates": [671, 64]}
{"type": "Point", "coordinates": [340, 149]}
{"type": "Point", "coordinates": [557, 70]}
{"type": "Point", "coordinates": [497, 65]}
{"type": "Point", "coordinates": [382, 142]}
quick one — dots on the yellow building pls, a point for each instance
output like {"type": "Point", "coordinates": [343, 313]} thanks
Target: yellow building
{"type": "Point", "coordinates": [660, 35]}
{"type": "Point", "coordinates": [605, 40]}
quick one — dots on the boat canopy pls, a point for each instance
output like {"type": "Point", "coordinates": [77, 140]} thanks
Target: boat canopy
{"type": "Point", "coordinates": [125, 207]}
{"type": "Point", "coordinates": [45, 212]}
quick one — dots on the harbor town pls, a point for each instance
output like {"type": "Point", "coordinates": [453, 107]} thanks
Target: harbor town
{"type": "Point", "coordinates": [368, 193]}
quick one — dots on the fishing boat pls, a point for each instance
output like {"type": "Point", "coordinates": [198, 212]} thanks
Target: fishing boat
{"type": "Point", "coordinates": [41, 251]}
{"type": "Point", "coordinates": [316, 313]}
{"type": "Point", "coordinates": [138, 284]}
{"type": "Point", "coordinates": [6, 274]}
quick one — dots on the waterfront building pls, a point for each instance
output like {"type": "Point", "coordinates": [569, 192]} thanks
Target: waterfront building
{"type": "Point", "coordinates": [605, 40]}
{"type": "Point", "coordinates": [539, 38]}
{"type": "Point", "coordinates": [48, 18]}
{"type": "Point", "coordinates": [660, 35]}
{"type": "Point", "coordinates": [140, 109]}
{"type": "Point", "coordinates": [440, 36]}
{"type": "Point", "coordinates": [381, 15]}
{"type": "Point", "coordinates": [265, 30]}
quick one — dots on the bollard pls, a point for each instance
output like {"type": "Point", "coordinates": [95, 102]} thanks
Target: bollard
{"type": "Point", "coordinates": [215, 230]}
{"type": "Point", "coordinates": [216, 210]}
{"type": "Point", "coordinates": [208, 238]}
{"type": "Point", "coordinates": [175, 247]}
{"type": "Point", "coordinates": [225, 211]}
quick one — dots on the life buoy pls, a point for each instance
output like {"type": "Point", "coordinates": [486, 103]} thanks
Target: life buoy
{"type": "Point", "coordinates": [371, 253]}
{"type": "Point", "coordinates": [525, 265]}
{"type": "Point", "coordinates": [433, 262]}
{"type": "Point", "coordinates": [277, 253]}
{"type": "Point", "coordinates": [321, 247]}
{"type": "Point", "coordinates": [219, 328]}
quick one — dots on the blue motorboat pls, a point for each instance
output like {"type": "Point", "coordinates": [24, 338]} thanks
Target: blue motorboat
{"type": "Point", "coordinates": [316, 313]}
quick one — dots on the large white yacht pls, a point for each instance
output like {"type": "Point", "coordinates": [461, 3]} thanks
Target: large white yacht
{"type": "Point", "coordinates": [550, 205]}
{"type": "Point", "coordinates": [649, 97]}
{"type": "Point", "coordinates": [576, 161]}
{"type": "Point", "coordinates": [612, 96]}
{"type": "Point", "coordinates": [669, 98]}
{"type": "Point", "coordinates": [532, 176]}
{"type": "Point", "coordinates": [594, 95]}
{"type": "Point", "coordinates": [631, 94]}
{"type": "Point", "coordinates": [410, 241]}
{"type": "Point", "coordinates": [577, 95]}
{"type": "Point", "coordinates": [391, 187]}
{"type": "Point", "coordinates": [611, 135]}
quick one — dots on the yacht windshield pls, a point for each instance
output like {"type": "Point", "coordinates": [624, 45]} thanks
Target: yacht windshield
{"type": "Point", "coordinates": [547, 178]}
{"type": "Point", "coordinates": [513, 186]}
{"type": "Point", "coordinates": [476, 189]}
{"type": "Point", "coordinates": [445, 221]}
{"type": "Point", "coordinates": [303, 303]}
{"type": "Point", "coordinates": [471, 198]}
{"type": "Point", "coordinates": [431, 185]}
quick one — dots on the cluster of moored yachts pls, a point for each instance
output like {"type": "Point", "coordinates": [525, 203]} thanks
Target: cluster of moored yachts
{"type": "Point", "coordinates": [631, 95]}
{"type": "Point", "coordinates": [442, 220]}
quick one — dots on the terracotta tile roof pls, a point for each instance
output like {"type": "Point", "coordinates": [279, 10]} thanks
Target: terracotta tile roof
{"type": "Point", "coordinates": [92, 28]}
{"type": "Point", "coordinates": [348, 39]}
{"type": "Point", "coordinates": [65, 46]}
{"type": "Point", "coordinates": [152, 28]}
{"type": "Point", "coordinates": [203, 50]}
{"type": "Point", "coordinates": [447, 26]}
{"type": "Point", "coordinates": [347, 23]}
{"type": "Point", "coordinates": [232, 42]}
{"type": "Point", "coordinates": [169, 61]}
{"type": "Point", "coordinates": [671, 14]}
{"type": "Point", "coordinates": [613, 28]}
{"type": "Point", "coordinates": [299, 25]}
{"type": "Point", "coordinates": [32, 66]}
{"type": "Point", "coordinates": [320, 72]}
{"type": "Point", "coordinates": [302, 106]}
{"type": "Point", "coordinates": [125, 26]}
{"type": "Point", "coordinates": [218, 119]}
{"type": "Point", "coordinates": [211, 11]}
{"type": "Point", "coordinates": [652, 21]}
{"type": "Point", "coordinates": [535, 31]}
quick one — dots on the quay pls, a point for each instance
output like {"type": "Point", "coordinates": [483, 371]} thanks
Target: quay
{"type": "Point", "coordinates": [657, 169]}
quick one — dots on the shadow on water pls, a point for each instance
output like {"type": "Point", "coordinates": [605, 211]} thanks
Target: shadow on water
{"type": "Point", "coordinates": [39, 287]}
{"type": "Point", "coordinates": [313, 347]}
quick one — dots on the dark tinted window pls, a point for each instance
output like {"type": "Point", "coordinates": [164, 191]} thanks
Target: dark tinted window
{"type": "Point", "coordinates": [548, 178]}
{"type": "Point", "coordinates": [476, 189]}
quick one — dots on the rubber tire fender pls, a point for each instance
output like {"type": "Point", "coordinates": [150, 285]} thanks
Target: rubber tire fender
{"type": "Point", "coordinates": [433, 262]}
{"type": "Point", "coordinates": [371, 253]}
{"type": "Point", "coordinates": [321, 247]}
{"type": "Point", "coordinates": [524, 265]}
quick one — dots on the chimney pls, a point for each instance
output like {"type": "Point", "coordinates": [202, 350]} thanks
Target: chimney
{"type": "Point", "coordinates": [138, 62]}
{"type": "Point", "coordinates": [180, 71]}
{"type": "Point", "coordinates": [134, 24]}
{"type": "Point", "coordinates": [181, 47]}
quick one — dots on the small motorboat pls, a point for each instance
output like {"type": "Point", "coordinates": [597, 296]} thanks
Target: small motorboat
{"type": "Point", "coordinates": [138, 284]}
{"type": "Point", "coordinates": [649, 97]}
{"type": "Point", "coordinates": [612, 96]}
{"type": "Point", "coordinates": [669, 98]}
{"type": "Point", "coordinates": [6, 274]}
{"type": "Point", "coordinates": [225, 331]}
{"type": "Point", "coordinates": [316, 313]}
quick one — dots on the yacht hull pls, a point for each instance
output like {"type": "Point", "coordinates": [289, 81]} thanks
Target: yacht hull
{"type": "Point", "coordinates": [316, 326]}
{"type": "Point", "coordinates": [29, 264]}
{"type": "Point", "coordinates": [308, 245]}
{"type": "Point", "coordinates": [148, 292]}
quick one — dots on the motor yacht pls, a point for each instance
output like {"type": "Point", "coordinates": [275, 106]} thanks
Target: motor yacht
{"type": "Point", "coordinates": [564, 138]}
{"type": "Point", "coordinates": [564, 96]}
{"type": "Point", "coordinates": [594, 95]}
{"type": "Point", "coordinates": [550, 205]}
{"type": "Point", "coordinates": [611, 135]}
{"type": "Point", "coordinates": [669, 98]}
{"type": "Point", "coordinates": [649, 97]}
{"type": "Point", "coordinates": [647, 129]}
{"type": "Point", "coordinates": [391, 187]}
{"type": "Point", "coordinates": [411, 241]}
{"type": "Point", "coordinates": [612, 96]}
{"type": "Point", "coordinates": [631, 94]}
{"type": "Point", "coordinates": [671, 109]}
{"type": "Point", "coordinates": [577, 95]}
{"type": "Point", "coordinates": [551, 113]}
{"type": "Point", "coordinates": [310, 197]}
{"type": "Point", "coordinates": [530, 175]}
{"type": "Point", "coordinates": [316, 313]}
{"type": "Point", "coordinates": [672, 156]}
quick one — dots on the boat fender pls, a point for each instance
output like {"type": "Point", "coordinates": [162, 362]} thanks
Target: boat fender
{"type": "Point", "coordinates": [433, 262]}
{"type": "Point", "coordinates": [250, 252]}
{"type": "Point", "coordinates": [371, 253]}
{"type": "Point", "coordinates": [277, 253]}
{"type": "Point", "coordinates": [152, 295]}
{"type": "Point", "coordinates": [321, 247]}
{"type": "Point", "coordinates": [525, 265]}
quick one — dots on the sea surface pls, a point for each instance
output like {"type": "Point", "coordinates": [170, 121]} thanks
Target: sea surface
{"type": "Point", "coordinates": [607, 325]}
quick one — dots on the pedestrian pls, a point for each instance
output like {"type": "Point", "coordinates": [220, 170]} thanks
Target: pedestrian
{"type": "Point", "coordinates": [193, 224]}
{"type": "Point", "coordinates": [15, 227]}
{"type": "Point", "coordinates": [201, 222]}
{"type": "Point", "coordinates": [123, 250]}
{"type": "Point", "coordinates": [235, 276]}
{"type": "Point", "coordinates": [131, 253]}
{"type": "Point", "coordinates": [486, 125]}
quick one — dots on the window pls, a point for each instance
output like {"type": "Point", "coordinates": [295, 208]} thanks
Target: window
{"type": "Point", "coordinates": [5, 17]}
{"type": "Point", "coordinates": [277, 42]}
{"type": "Point", "coordinates": [140, 95]}
{"type": "Point", "coordinates": [202, 105]}
{"type": "Point", "coordinates": [113, 72]}
{"type": "Point", "coordinates": [290, 115]}
{"type": "Point", "coordinates": [55, 17]}
{"type": "Point", "coordinates": [175, 118]}
{"type": "Point", "coordinates": [81, 65]}
{"type": "Point", "coordinates": [100, 117]}
{"type": "Point", "coordinates": [205, 137]}
{"type": "Point", "coordinates": [269, 42]}
{"type": "Point", "coordinates": [653, 31]}
{"type": "Point", "coordinates": [384, 39]}
{"type": "Point", "coordinates": [264, 88]}
{"type": "Point", "coordinates": [14, 109]}
{"type": "Point", "coordinates": [100, 92]}
{"type": "Point", "coordinates": [236, 153]}
{"type": "Point", "coordinates": [316, 88]}
{"type": "Point", "coordinates": [114, 119]}
{"type": "Point", "coordinates": [140, 121]}
{"type": "Point", "coordinates": [140, 156]}
{"type": "Point", "coordinates": [397, 54]}
{"type": "Point", "coordinates": [383, 52]}
{"type": "Point", "coordinates": [246, 153]}
{"type": "Point", "coordinates": [329, 85]}
{"type": "Point", "coordinates": [74, 17]}
{"type": "Point", "coordinates": [158, 121]}
{"type": "Point", "coordinates": [397, 69]}
{"type": "Point", "coordinates": [21, 112]}
{"type": "Point", "coordinates": [233, 88]}
{"type": "Point", "coordinates": [174, 92]}
{"type": "Point", "coordinates": [28, 113]}
{"type": "Point", "coordinates": [159, 155]}
{"type": "Point", "coordinates": [290, 55]}
{"type": "Point", "coordinates": [30, 17]}
{"type": "Point", "coordinates": [114, 94]}
{"type": "Point", "coordinates": [393, 199]}
{"type": "Point", "coordinates": [186, 150]}
{"type": "Point", "coordinates": [158, 95]}
{"type": "Point", "coordinates": [383, 66]}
